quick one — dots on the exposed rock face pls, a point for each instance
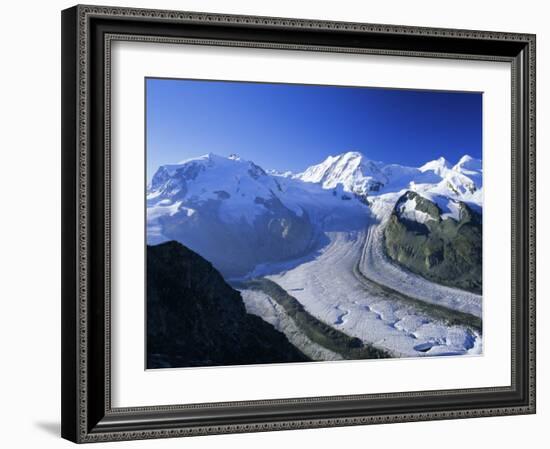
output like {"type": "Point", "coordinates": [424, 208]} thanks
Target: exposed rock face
{"type": "Point", "coordinates": [194, 318]}
{"type": "Point", "coordinates": [444, 249]}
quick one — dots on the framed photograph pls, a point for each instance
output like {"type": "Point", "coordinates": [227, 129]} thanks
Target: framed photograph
{"type": "Point", "coordinates": [277, 223]}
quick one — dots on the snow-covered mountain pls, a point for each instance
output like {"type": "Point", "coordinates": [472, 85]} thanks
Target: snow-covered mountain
{"type": "Point", "coordinates": [194, 182]}
{"type": "Point", "coordinates": [461, 182]}
{"type": "Point", "coordinates": [470, 168]}
{"type": "Point", "coordinates": [329, 235]}
{"type": "Point", "coordinates": [351, 170]}
{"type": "Point", "coordinates": [439, 166]}
{"type": "Point", "coordinates": [357, 174]}
{"type": "Point", "coordinates": [236, 215]}
{"type": "Point", "coordinates": [222, 207]}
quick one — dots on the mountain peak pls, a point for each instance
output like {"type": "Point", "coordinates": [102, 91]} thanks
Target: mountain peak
{"type": "Point", "coordinates": [351, 155]}
{"type": "Point", "coordinates": [203, 157]}
{"type": "Point", "coordinates": [468, 164]}
{"type": "Point", "coordinates": [345, 157]}
{"type": "Point", "coordinates": [465, 158]}
{"type": "Point", "coordinates": [352, 170]}
{"type": "Point", "coordinates": [439, 166]}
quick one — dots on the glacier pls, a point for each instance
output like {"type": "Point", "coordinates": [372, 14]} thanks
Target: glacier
{"type": "Point", "coordinates": [319, 235]}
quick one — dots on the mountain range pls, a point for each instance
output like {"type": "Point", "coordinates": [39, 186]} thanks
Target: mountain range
{"type": "Point", "coordinates": [238, 215]}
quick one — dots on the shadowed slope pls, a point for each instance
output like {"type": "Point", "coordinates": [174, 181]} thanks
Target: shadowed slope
{"type": "Point", "coordinates": [194, 318]}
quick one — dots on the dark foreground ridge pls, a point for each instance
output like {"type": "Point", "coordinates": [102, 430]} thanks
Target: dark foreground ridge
{"type": "Point", "coordinates": [194, 318]}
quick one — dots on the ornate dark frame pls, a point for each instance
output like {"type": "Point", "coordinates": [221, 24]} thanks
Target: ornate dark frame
{"type": "Point", "coordinates": [87, 32]}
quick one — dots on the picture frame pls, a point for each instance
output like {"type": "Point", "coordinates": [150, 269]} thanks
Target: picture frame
{"type": "Point", "coordinates": [87, 411]}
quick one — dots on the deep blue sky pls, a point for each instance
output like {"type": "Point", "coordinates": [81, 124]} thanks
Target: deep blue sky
{"type": "Point", "coordinates": [289, 127]}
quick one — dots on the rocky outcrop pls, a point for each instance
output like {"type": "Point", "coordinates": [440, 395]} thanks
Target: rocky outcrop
{"type": "Point", "coordinates": [443, 249]}
{"type": "Point", "coordinates": [194, 318]}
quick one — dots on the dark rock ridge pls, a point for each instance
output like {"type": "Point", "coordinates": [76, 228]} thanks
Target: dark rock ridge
{"type": "Point", "coordinates": [194, 318]}
{"type": "Point", "coordinates": [443, 250]}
